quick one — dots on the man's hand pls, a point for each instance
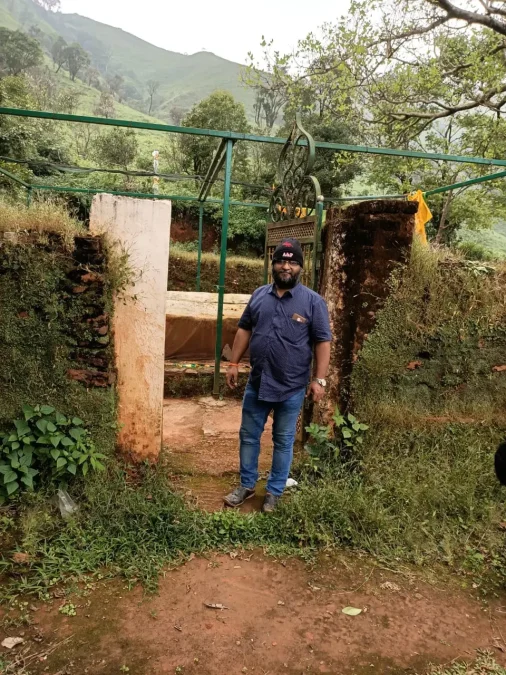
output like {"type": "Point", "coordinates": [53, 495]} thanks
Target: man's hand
{"type": "Point", "coordinates": [316, 391]}
{"type": "Point", "coordinates": [232, 376]}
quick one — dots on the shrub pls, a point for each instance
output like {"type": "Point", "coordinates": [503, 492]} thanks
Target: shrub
{"type": "Point", "coordinates": [47, 442]}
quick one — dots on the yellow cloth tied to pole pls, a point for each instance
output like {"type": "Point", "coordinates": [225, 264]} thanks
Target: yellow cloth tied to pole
{"type": "Point", "coordinates": [423, 215]}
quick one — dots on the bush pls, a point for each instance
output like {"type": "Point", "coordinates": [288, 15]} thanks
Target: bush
{"type": "Point", "coordinates": [45, 442]}
{"type": "Point", "coordinates": [473, 251]}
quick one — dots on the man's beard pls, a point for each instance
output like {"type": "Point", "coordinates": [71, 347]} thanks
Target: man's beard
{"type": "Point", "coordinates": [285, 284]}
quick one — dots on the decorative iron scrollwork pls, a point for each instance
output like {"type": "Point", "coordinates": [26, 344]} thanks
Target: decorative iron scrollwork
{"type": "Point", "coordinates": [297, 192]}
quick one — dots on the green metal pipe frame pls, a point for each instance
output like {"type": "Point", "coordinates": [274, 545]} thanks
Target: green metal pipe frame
{"type": "Point", "coordinates": [223, 263]}
{"type": "Point", "coordinates": [143, 195]}
{"type": "Point", "coordinates": [199, 252]}
{"type": "Point", "coordinates": [14, 178]}
{"type": "Point", "coordinates": [214, 170]}
{"type": "Point", "coordinates": [236, 136]}
{"type": "Point", "coordinates": [465, 183]}
{"type": "Point", "coordinates": [226, 148]}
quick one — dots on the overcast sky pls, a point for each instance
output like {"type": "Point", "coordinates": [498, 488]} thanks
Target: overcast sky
{"type": "Point", "coordinates": [218, 26]}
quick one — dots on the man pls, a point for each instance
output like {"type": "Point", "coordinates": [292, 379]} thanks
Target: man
{"type": "Point", "coordinates": [281, 324]}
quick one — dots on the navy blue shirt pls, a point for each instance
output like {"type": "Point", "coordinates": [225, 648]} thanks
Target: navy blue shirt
{"type": "Point", "coordinates": [284, 330]}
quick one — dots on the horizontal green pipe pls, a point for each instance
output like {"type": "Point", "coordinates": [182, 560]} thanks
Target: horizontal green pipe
{"type": "Point", "coordinates": [363, 198]}
{"type": "Point", "coordinates": [19, 112]}
{"type": "Point", "coordinates": [465, 183]}
{"type": "Point", "coordinates": [10, 175]}
{"type": "Point", "coordinates": [142, 195]}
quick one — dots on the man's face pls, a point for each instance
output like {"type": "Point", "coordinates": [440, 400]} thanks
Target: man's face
{"type": "Point", "coordinates": [285, 273]}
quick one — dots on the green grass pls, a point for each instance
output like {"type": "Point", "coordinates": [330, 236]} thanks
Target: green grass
{"type": "Point", "coordinates": [485, 664]}
{"type": "Point", "coordinates": [425, 498]}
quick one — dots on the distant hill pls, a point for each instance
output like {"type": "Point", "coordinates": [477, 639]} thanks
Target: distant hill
{"type": "Point", "coordinates": [494, 240]}
{"type": "Point", "coordinates": [184, 79]}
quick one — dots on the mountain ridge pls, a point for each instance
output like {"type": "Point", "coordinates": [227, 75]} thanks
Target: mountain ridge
{"type": "Point", "coordinates": [184, 79]}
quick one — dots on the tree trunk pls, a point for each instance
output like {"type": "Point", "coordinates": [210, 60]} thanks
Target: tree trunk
{"type": "Point", "coordinates": [444, 216]}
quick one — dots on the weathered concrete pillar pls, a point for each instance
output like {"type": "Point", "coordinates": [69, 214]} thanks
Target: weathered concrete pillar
{"type": "Point", "coordinates": [362, 246]}
{"type": "Point", "coordinates": [142, 228]}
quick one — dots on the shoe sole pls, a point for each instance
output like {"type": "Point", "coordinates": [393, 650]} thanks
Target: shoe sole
{"type": "Point", "coordinates": [234, 506]}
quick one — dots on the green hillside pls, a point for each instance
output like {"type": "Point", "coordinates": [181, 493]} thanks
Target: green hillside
{"type": "Point", "coordinates": [494, 240]}
{"type": "Point", "coordinates": [184, 80]}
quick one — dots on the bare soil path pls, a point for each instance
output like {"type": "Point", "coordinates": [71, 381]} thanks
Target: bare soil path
{"type": "Point", "coordinates": [281, 617]}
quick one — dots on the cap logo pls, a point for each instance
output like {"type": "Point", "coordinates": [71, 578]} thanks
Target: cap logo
{"type": "Point", "coordinates": [287, 254]}
{"type": "Point", "coordinates": [287, 243]}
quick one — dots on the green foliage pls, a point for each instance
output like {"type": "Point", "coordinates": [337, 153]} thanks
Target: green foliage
{"type": "Point", "coordinates": [18, 52]}
{"type": "Point", "coordinates": [218, 111]}
{"type": "Point", "coordinates": [41, 324]}
{"type": "Point", "coordinates": [327, 445]}
{"type": "Point", "coordinates": [473, 251]}
{"type": "Point", "coordinates": [117, 147]}
{"type": "Point", "coordinates": [435, 344]}
{"type": "Point", "coordinates": [59, 52]}
{"type": "Point", "coordinates": [75, 59]}
{"type": "Point", "coordinates": [45, 442]}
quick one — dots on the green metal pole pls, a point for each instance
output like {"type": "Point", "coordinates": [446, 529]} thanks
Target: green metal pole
{"type": "Point", "coordinates": [223, 263]}
{"type": "Point", "coordinates": [465, 183]}
{"type": "Point", "coordinates": [199, 254]}
{"type": "Point", "coordinates": [28, 197]}
{"type": "Point", "coordinates": [317, 240]}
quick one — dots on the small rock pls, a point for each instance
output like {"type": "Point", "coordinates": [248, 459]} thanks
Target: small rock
{"type": "Point", "coordinates": [10, 643]}
{"type": "Point", "coordinates": [21, 558]}
{"type": "Point", "coordinates": [390, 586]}
{"type": "Point", "coordinates": [281, 603]}
{"type": "Point", "coordinates": [79, 289]}
{"type": "Point", "coordinates": [418, 596]}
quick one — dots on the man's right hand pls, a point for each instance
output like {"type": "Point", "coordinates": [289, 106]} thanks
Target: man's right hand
{"type": "Point", "coordinates": [232, 376]}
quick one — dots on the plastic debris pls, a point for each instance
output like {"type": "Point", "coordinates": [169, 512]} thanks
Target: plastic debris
{"type": "Point", "coordinates": [9, 643]}
{"type": "Point", "coordinates": [291, 482]}
{"type": "Point", "coordinates": [66, 504]}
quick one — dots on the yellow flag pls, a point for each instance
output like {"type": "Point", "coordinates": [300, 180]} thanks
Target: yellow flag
{"type": "Point", "coordinates": [422, 216]}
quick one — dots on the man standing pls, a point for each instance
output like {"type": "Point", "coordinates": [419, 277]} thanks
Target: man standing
{"type": "Point", "coordinates": [281, 324]}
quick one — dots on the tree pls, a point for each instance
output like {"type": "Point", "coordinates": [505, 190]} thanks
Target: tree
{"type": "Point", "coordinates": [59, 52]}
{"type": "Point", "coordinates": [115, 84]}
{"type": "Point", "coordinates": [18, 52]}
{"type": "Point", "coordinates": [434, 59]}
{"type": "Point", "coordinates": [219, 111]}
{"type": "Point", "coordinates": [75, 59]}
{"type": "Point", "coordinates": [153, 86]}
{"type": "Point", "coordinates": [92, 77]}
{"type": "Point", "coordinates": [117, 147]}
{"type": "Point", "coordinates": [268, 104]}
{"type": "Point", "coordinates": [105, 106]}
{"type": "Point", "coordinates": [176, 114]}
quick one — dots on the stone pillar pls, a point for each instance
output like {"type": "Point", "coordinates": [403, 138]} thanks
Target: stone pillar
{"type": "Point", "coordinates": [142, 228]}
{"type": "Point", "coordinates": [362, 245]}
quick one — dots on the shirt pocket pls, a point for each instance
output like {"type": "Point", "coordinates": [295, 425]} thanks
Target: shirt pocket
{"type": "Point", "coordinates": [296, 331]}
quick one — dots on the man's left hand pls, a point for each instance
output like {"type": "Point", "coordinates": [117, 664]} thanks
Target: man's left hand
{"type": "Point", "coordinates": [316, 391]}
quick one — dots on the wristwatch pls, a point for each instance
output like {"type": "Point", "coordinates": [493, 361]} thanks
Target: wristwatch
{"type": "Point", "coordinates": [322, 383]}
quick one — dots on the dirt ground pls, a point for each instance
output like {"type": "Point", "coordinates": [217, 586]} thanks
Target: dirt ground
{"type": "Point", "coordinates": [280, 617]}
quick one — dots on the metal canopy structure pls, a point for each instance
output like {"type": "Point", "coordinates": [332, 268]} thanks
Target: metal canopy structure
{"type": "Point", "coordinates": [286, 203]}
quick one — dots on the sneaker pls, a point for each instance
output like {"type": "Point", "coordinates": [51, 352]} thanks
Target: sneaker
{"type": "Point", "coordinates": [270, 503]}
{"type": "Point", "coordinates": [239, 496]}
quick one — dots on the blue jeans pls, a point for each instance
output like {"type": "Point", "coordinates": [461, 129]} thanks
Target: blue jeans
{"type": "Point", "coordinates": [254, 417]}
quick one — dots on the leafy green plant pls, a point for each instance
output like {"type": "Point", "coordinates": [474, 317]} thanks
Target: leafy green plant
{"type": "Point", "coordinates": [326, 443]}
{"type": "Point", "coordinates": [45, 441]}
